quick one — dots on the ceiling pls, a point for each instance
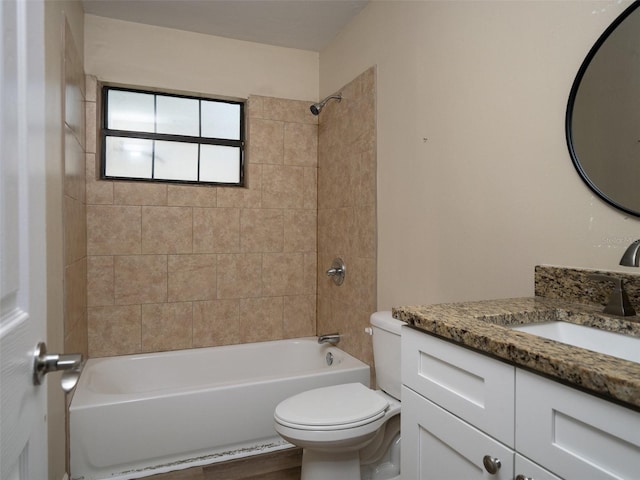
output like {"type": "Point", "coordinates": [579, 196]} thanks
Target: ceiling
{"type": "Point", "coordinates": [303, 24]}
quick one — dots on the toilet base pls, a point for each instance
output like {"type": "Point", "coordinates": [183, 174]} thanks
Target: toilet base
{"type": "Point", "coordinates": [318, 465]}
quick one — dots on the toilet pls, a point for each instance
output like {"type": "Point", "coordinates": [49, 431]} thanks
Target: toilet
{"type": "Point", "coordinates": [351, 432]}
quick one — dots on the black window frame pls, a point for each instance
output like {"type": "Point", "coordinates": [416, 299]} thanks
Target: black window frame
{"type": "Point", "coordinates": [200, 140]}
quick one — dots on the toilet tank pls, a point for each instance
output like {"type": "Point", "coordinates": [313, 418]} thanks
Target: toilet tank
{"type": "Point", "coordinates": [386, 352]}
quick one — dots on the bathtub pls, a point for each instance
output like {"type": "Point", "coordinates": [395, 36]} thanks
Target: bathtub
{"type": "Point", "coordinates": [139, 415]}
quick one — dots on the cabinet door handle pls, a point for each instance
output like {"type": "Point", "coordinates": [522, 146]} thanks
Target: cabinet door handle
{"type": "Point", "coordinates": [522, 477]}
{"type": "Point", "coordinates": [491, 464]}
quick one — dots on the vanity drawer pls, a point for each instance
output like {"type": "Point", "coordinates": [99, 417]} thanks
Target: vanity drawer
{"type": "Point", "coordinates": [472, 386]}
{"type": "Point", "coordinates": [573, 434]}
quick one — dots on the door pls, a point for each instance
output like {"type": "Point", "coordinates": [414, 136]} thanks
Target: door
{"type": "Point", "coordinates": [23, 432]}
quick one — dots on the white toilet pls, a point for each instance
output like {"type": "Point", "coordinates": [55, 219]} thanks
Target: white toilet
{"type": "Point", "coordinates": [350, 432]}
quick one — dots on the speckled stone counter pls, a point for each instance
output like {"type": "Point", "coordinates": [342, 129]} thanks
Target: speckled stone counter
{"type": "Point", "coordinates": [483, 326]}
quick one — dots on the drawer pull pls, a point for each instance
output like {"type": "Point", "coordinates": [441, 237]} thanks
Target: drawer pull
{"type": "Point", "coordinates": [491, 464]}
{"type": "Point", "coordinates": [522, 477]}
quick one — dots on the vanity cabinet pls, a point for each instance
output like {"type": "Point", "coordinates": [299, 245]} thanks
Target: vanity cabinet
{"type": "Point", "coordinates": [574, 434]}
{"type": "Point", "coordinates": [462, 411]}
{"type": "Point", "coordinates": [438, 445]}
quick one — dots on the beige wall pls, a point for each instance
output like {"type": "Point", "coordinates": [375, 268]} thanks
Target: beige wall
{"type": "Point", "coordinates": [173, 267]}
{"type": "Point", "coordinates": [475, 184]}
{"type": "Point", "coordinates": [58, 192]}
{"type": "Point", "coordinates": [347, 214]}
{"type": "Point", "coordinates": [144, 55]}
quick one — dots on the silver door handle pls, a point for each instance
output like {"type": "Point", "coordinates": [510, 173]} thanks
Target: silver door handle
{"type": "Point", "coordinates": [44, 363]}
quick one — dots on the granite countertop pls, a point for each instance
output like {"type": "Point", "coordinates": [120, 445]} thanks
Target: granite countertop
{"type": "Point", "coordinates": [483, 326]}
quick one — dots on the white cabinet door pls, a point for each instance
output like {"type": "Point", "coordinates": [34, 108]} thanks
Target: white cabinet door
{"type": "Point", "coordinates": [472, 386]}
{"type": "Point", "coordinates": [527, 470]}
{"type": "Point", "coordinates": [573, 434]}
{"type": "Point", "coordinates": [437, 445]}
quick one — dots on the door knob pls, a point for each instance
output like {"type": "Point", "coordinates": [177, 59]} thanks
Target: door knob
{"type": "Point", "coordinates": [491, 464]}
{"type": "Point", "coordinates": [44, 363]}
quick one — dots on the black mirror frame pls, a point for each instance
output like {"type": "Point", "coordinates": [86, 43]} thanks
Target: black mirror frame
{"type": "Point", "coordinates": [572, 97]}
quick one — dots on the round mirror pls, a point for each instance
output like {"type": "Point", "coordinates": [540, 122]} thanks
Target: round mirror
{"type": "Point", "coordinates": [603, 114]}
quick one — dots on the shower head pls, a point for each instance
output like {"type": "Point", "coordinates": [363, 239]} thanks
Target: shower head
{"type": "Point", "coordinates": [317, 107]}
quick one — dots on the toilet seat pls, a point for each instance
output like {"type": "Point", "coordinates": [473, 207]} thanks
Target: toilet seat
{"type": "Point", "coordinates": [336, 407]}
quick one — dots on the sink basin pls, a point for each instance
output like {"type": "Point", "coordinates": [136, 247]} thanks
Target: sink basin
{"type": "Point", "coordinates": [609, 343]}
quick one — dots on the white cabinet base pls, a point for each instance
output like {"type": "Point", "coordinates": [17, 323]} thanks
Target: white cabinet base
{"type": "Point", "coordinates": [436, 445]}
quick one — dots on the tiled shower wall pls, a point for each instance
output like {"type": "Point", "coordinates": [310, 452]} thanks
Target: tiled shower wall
{"type": "Point", "coordinates": [74, 222]}
{"type": "Point", "coordinates": [347, 214]}
{"type": "Point", "coordinates": [180, 266]}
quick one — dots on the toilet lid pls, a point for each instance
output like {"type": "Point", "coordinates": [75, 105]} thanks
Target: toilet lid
{"type": "Point", "coordinates": [339, 406]}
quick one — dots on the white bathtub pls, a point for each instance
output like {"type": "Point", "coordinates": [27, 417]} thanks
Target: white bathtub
{"type": "Point", "coordinates": [138, 415]}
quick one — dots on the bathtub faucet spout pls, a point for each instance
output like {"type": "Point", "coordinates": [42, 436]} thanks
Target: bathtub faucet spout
{"type": "Point", "coordinates": [332, 338]}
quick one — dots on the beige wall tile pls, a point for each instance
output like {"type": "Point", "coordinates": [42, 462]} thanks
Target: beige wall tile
{"type": "Point", "coordinates": [266, 141]}
{"type": "Point", "coordinates": [113, 230]}
{"type": "Point", "coordinates": [74, 167]}
{"type": "Point", "coordinates": [75, 293]}
{"type": "Point", "coordinates": [216, 322]}
{"type": "Point", "coordinates": [100, 281]}
{"type": "Point", "coordinates": [155, 243]}
{"type": "Point", "coordinates": [301, 144]}
{"type": "Point", "coordinates": [335, 188]}
{"type": "Point", "coordinates": [140, 279]}
{"type": "Point", "coordinates": [249, 196]}
{"type": "Point", "coordinates": [192, 277]}
{"type": "Point", "coordinates": [114, 330]}
{"type": "Point", "coordinates": [300, 230]}
{"type": "Point", "coordinates": [299, 316]}
{"type": "Point", "coordinates": [310, 185]}
{"type": "Point", "coordinates": [310, 279]}
{"type": "Point", "coordinates": [77, 341]}
{"type": "Point", "coordinates": [282, 186]}
{"type": "Point", "coordinates": [166, 326]}
{"type": "Point", "coordinates": [99, 192]}
{"type": "Point", "coordinates": [364, 235]}
{"type": "Point", "coordinates": [191, 196]}
{"type": "Point", "coordinates": [261, 230]}
{"type": "Point", "coordinates": [239, 275]}
{"type": "Point", "coordinates": [90, 88]}
{"type": "Point", "coordinates": [216, 230]}
{"type": "Point", "coordinates": [139, 193]}
{"type": "Point", "coordinates": [335, 230]}
{"type": "Point", "coordinates": [261, 319]}
{"type": "Point", "coordinates": [75, 230]}
{"type": "Point", "coordinates": [282, 274]}
{"type": "Point", "coordinates": [91, 127]}
{"type": "Point", "coordinates": [347, 215]}
{"type": "Point", "coordinates": [167, 230]}
{"type": "Point", "coordinates": [284, 110]}
{"type": "Point", "coordinates": [73, 86]}
{"type": "Point", "coordinates": [255, 106]}
{"type": "Point", "coordinates": [364, 179]}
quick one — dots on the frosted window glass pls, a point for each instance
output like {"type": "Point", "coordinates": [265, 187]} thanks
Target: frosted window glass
{"type": "Point", "coordinates": [177, 116]}
{"type": "Point", "coordinates": [130, 111]}
{"type": "Point", "coordinates": [221, 120]}
{"type": "Point", "coordinates": [176, 161]}
{"type": "Point", "coordinates": [128, 157]}
{"type": "Point", "coordinates": [219, 164]}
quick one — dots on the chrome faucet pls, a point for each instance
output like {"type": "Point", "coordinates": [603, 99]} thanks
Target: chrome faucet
{"type": "Point", "coordinates": [332, 338]}
{"type": "Point", "coordinates": [618, 303]}
{"type": "Point", "coordinates": [631, 257]}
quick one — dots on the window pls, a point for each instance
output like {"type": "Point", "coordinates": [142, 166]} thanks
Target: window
{"type": "Point", "coordinates": [156, 137]}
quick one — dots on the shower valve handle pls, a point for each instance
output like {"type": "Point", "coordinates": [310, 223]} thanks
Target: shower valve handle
{"type": "Point", "coordinates": [337, 271]}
